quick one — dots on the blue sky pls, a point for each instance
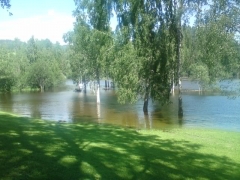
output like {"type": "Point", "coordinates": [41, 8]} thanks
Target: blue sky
{"type": "Point", "coordinates": [39, 18]}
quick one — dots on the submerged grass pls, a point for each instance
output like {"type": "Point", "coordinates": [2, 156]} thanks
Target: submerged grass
{"type": "Point", "coordinates": [37, 149]}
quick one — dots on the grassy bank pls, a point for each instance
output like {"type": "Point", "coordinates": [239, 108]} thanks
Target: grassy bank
{"type": "Point", "coordinates": [35, 149]}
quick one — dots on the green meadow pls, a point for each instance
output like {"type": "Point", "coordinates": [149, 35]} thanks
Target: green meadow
{"type": "Point", "coordinates": [38, 149]}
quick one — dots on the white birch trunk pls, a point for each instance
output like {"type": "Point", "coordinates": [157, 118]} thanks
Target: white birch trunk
{"type": "Point", "coordinates": [98, 94]}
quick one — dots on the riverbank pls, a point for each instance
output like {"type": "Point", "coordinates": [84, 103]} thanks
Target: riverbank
{"type": "Point", "coordinates": [37, 149]}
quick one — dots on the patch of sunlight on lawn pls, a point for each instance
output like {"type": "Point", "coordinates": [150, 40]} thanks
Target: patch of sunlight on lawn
{"type": "Point", "coordinates": [123, 171]}
{"type": "Point", "coordinates": [52, 149]}
{"type": "Point", "coordinates": [174, 176]}
{"type": "Point", "coordinates": [90, 170]}
{"type": "Point", "coordinates": [124, 168]}
{"type": "Point", "coordinates": [165, 163]}
{"type": "Point", "coordinates": [16, 143]}
{"type": "Point", "coordinates": [102, 145]}
{"type": "Point", "coordinates": [35, 133]}
{"type": "Point", "coordinates": [135, 157]}
{"type": "Point", "coordinates": [25, 151]}
{"type": "Point", "coordinates": [68, 160]}
{"type": "Point", "coordinates": [107, 146]}
{"type": "Point", "coordinates": [12, 134]}
{"type": "Point", "coordinates": [37, 144]}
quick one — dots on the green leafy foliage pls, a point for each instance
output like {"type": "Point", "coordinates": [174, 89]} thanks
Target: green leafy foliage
{"type": "Point", "coordinates": [211, 44]}
{"type": "Point", "coordinates": [152, 31]}
{"type": "Point", "coordinates": [35, 64]}
{"type": "Point", "coordinates": [200, 74]}
{"type": "Point", "coordinates": [90, 43]}
{"type": "Point", "coordinates": [9, 69]}
{"type": "Point", "coordinates": [155, 43]}
{"type": "Point", "coordinates": [44, 71]}
{"type": "Point", "coordinates": [125, 70]}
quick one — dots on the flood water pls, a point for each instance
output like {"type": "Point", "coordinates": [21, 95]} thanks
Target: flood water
{"type": "Point", "coordinates": [209, 111]}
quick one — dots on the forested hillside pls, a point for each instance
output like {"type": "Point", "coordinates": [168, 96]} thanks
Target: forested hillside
{"type": "Point", "coordinates": [37, 64]}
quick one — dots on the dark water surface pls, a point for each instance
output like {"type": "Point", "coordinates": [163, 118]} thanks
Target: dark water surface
{"type": "Point", "coordinates": [211, 111]}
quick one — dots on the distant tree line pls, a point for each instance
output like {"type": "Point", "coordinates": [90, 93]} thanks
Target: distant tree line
{"type": "Point", "coordinates": [37, 64]}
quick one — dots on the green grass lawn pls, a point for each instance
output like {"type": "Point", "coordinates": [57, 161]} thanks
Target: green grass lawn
{"type": "Point", "coordinates": [37, 149]}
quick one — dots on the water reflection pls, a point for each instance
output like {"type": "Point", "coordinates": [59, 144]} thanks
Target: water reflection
{"type": "Point", "coordinates": [214, 111]}
{"type": "Point", "coordinates": [98, 112]}
{"type": "Point", "coordinates": [148, 121]}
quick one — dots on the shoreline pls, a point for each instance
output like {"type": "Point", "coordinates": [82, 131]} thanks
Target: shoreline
{"type": "Point", "coordinates": [120, 126]}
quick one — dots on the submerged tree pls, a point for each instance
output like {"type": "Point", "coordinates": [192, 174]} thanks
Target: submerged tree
{"type": "Point", "coordinates": [91, 39]}
{"type": "Point", "coordinates": [24, 64]}
{"type": "Point", "coordinates": [44, 71]}
{"type": "Point", "coordinates": [8, 70]}
{"type": "Point", "coordinates": [150, 29]}
{"type": "Point", "coordinates": [154, 30]}
{"type": "Point", "coordinates": [149, 48]}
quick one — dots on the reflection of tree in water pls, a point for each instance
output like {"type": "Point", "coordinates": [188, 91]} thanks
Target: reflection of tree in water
{"type": "Point", "coordinates": [35, 112]}
{"type": "Point", "coordinates": [109, 111]}
{"type": "Point", "coordinates": [35, 104]}
{"type": "Point", "coordinates": [6, 102]}
{"type": "Point", "coordinates": [144, 121]}
{"type": "Point", "coordinates": [84, 107]}
{"type": "Point", "coordinates": [14, 103]}
{"type": "Point", "coordinates": [180, 121]}
{"type": "Point", "coordinates": [148, 121]}
{"type": "Point", "coordinates": [99, 112]}
{"type": "Point", "coordinates": [163, 116]}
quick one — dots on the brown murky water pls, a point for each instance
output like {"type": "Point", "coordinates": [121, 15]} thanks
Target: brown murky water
{"type": "Point", "coordinates": [213, 111]}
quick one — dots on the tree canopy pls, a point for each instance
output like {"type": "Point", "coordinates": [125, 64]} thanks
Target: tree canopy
{"type": "Point", "coordinates": [37, 64]}
{"type": "Point", "coordinates": [155, 44]}
{"type": "Point", "coordinates": [5, 4]}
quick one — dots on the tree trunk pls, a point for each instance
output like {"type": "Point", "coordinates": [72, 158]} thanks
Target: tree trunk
{"type": "Point", "coordinates": [112, 84]}
{"type": "Point", "coordinates": [145, 104]}
{"type": "Point", "coordinates": [42, 88]}
{"type": "Point", "coordinates": [84, 85]}
{"type": "Point", "coordinates": [105, 84]}
{"type": "Point", "coordinates": [98, 87]}
{"type": "Point", "coordinates": [98, 112]}
{"type": "Point", "coordinates": [180, 109]}
{"type": "Point", "coordinates": [108, 84]}
{"type": "Point", "coordinates": [179, 40]}
{"type": "Point", "coordinates": [173, 87]}
{"type": "Point", "coordinates": [98, 94]}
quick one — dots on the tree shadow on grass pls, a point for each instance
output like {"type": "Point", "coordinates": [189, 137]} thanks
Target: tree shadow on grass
{"type": "Point", "coordinates": [32, 149]}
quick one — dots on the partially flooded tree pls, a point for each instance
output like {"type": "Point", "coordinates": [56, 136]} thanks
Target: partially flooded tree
{"type": "Point", "coordinates": [151, 42]}
{"type": "Point", "coordinates": [92, 37]}
{"type": "Point", "coordinates": [149, 26]}
{"type": "Point", "coordinates": [44, 70]}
